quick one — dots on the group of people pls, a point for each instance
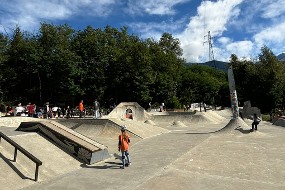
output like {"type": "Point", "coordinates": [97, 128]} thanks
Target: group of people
{"type": "Point", "coordinates": [95, 108]}
{"type": "Point", "coordinates": [53, 111]}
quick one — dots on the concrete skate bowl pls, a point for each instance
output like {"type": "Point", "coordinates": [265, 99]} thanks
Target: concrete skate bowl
{"type": "Point", "coordinates": [170, 117]}
{"type": "Point", "coordinates": [128, 110]}
{"type": "Point", "coordinates": [189, 119]}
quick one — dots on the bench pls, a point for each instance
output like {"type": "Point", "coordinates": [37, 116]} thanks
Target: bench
{"type": "Point", "coordinates": [24, 151]}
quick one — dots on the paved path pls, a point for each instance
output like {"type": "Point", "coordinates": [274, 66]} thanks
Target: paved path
{"type": "Point", "coordinates": [186, 158]}
{"type": "Point", "coordinates": [180, 160]}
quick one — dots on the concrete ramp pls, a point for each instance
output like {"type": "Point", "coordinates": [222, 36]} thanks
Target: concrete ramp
{"type": "Point", "coordinates": [226, 113]}
{"type": "Point", "coordinates": [104, 128]}
{"type": "Point", "coordinates": [189, 118]}
{"type": "Point", "coordinates": [141, 129]}
{"type": "Point", "coordinates": [81, 147]}
{"type": "Point", "coordinates": [279, 122]}
{"type": "Point", "coordinates": [110, 128]}
{"type": "Point", "coordinates": [235, 125]}
{"type": "Point", "coordinates": [16, 175]}
{"type": "Point", "coordinates": [203, 118]}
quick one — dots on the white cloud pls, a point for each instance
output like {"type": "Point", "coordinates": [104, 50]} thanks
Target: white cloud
{"type": "Point", "coordinates": [272, 9]}
{"type": "Point", "coordinates": [155, 30]}
{"type": "Point", "coordinates": [213, 17]}
{"type": "Point", "coordinates": [272, 36]}
{"type": "Point", "coordinates": [153, 7]}
{"type": "Point", "coordinates": [29, 13]}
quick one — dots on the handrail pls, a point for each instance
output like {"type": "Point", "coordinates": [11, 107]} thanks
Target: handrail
{"type": "Point", "coordinates": [24, 151]}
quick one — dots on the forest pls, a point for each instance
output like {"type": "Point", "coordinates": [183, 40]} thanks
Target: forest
{"type": "Point", "coordinates": [62, 66]}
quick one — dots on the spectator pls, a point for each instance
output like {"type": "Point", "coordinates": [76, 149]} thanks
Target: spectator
{"type": "Point", "coordinates": [81, 109]}
{"type": "Point", "coordinates": [96, 108]}
{"type": "Point", "coordinates": [19, 110]}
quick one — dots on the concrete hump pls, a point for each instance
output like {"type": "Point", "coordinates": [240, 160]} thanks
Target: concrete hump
{"type": "Point", "coordinates": [150, 122]}
{"type": "Point", "coordinates": [129, 110]}
{"type": "Point", "coordinates": [178, 124]}
{"type": "Point", "coordinates": [235, 125]}
{"type": "Point", "coordinates": [202, 118]}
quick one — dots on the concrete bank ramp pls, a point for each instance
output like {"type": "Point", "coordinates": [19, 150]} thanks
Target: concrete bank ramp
{"type": "Point", "coordinates": [76, 144]}
{"type": "Point", "coordinates": [110, 128]}
{"type": "Point", "coordinates": [94, 127]}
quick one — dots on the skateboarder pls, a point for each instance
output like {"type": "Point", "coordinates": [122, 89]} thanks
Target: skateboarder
{"type": "Point", "coordinates": [255, 122]}
{"type": "Point", "coordinates": [123, 146]}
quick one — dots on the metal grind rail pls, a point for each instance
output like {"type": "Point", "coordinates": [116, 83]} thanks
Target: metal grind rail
{"type": "Point", "coordinates": [24, 151]}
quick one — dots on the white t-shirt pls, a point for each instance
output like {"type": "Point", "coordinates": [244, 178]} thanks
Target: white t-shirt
{"type": "Point", "coordinates": [20, 109]}
{"type": "Point", "coordinates": [54, 108]}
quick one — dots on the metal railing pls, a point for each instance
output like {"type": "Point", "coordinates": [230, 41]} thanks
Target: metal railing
{"type": "Point", "coordinates": [25, 152]}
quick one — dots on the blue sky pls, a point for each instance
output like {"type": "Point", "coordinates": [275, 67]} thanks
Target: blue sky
{"type": "Point", "coordinates": [241, 27]}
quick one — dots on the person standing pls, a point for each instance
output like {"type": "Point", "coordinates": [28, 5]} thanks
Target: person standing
{"type": "Point", "coordinates": [123, 146]}
{"type": "Point", "coordinates": [255, 122]}
{"type": "Point", "coordinates": [81, 108]}
{"type": "Point", "coordinates": [68, 112]}
{"type": "Point", "coordinates": [96, 109]}
{"type": "Point", "coordinates": [31, 109]}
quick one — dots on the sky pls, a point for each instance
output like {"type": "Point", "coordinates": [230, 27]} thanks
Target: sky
{"type": "Point", "coordinates": [238, 27]}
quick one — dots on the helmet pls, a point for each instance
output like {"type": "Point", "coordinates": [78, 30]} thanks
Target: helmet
{"type": "Point", "coordinates": [123, 127]}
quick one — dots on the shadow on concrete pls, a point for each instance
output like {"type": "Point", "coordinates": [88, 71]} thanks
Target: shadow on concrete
{"type": "Point", "coordinates": [247, 131]}
{"type": "Point", "coordinates": [8, 161]}
{"type": "Point", "coordinates": [107, 165]}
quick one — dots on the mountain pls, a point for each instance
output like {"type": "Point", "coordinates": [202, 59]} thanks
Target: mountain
{"type": "Point", "coordinates": [215, 64]}
{"type": "Point", "coordinates": [281, 57]}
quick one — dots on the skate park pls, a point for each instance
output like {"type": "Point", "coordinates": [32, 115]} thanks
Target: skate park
{"type": "Point", "coordinates": [169, 150]}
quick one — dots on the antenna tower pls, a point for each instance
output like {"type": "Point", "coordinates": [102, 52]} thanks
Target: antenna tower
{"type": "Point", "coordinates": [210, 45]}
{"type": "Point", "coordinates": [209, 39]}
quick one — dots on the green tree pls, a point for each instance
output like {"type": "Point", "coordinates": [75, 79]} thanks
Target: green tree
{"type": "Point", "coordinates": [59, 64]}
